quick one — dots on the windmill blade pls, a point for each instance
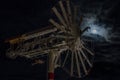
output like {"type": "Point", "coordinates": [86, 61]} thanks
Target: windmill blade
{"type": "Point", "coordinates": [59, 16]}
{"type": "Point", "coordinates": [57, 25]}
{"type": "Point", "coordinates": [77, 63]}
{"type": "Point", "coordinates": [85, 57]}
{"type": "Point", "coordinates": [87, 50]}
{"type": "Point", "coordinates": [64, 36]}
{"type": "Point", "coordinates": [83, 65]}
{"type": "Point", "coordinates": [82, 46]}
{"type": "Point", "coordinates": [65, 59]}
{"type": "Point", "coordinates": [69, 14]}
{"type": "Point", "coordinates": [72, 57]}
{"type": "Point", "coordinates": [69, 11]}
{"type": "Point", "coordinates": [57, 58]}
{"type": "Point", "coordinates": [71, 19]}
{"type": "Point", "coordinates": [64, 13]}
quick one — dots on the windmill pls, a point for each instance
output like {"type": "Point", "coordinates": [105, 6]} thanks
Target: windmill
{"type": "Point", "coordinates": [61, 40]}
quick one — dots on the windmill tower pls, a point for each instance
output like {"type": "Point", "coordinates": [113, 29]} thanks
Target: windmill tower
{"type": "Point", "coordinates": [61, 41]}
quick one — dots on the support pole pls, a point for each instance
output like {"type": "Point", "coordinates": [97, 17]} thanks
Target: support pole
{"type": "Point", "coordinates": [51, 66]}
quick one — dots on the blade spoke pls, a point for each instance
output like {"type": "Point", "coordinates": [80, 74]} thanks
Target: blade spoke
{"type": "Point", "coordinates": [72, 65]}
{"type": "Point", "coordinates": [64, 12]}
{"type": "Point", "coordinates": [59, 16]}
{"type": "Point", "coordinates": [85, 57]}
{"type": "Point", "coordinates": [69, 11]}
{"type": "Point", "coordinates": [65, 59]}
{"type": "Point", "coordinates": [58, 26]}
{"type": "Point", "coordinates": [83, 65]}
{"type": "Point", "coordinates": [77, 63]}
{"type": "Point", "coordinates": [87, 50]}
{"type": "Point", "coordinates": [57, 58]}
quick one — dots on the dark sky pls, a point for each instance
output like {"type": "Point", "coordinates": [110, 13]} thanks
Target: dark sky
{"type": "Point", "coordinates": [21, 16]}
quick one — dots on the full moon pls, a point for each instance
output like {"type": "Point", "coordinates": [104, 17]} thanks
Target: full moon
{"type": "Point", "coordinates": [94, 31]}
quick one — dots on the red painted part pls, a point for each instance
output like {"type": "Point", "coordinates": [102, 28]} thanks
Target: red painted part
{"type": "Point", "coordinates": [51, 76]}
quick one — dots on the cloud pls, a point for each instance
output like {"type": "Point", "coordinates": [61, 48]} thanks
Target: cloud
{"type": "Point", "coordinates": [96, 27]}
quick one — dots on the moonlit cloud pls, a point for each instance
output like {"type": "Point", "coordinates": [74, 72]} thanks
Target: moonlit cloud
{"type": "Point", "coordinates": [96, 27]}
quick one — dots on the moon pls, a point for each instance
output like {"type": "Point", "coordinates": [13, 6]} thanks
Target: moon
{"type": "Point", "coordinates": [94, 31]}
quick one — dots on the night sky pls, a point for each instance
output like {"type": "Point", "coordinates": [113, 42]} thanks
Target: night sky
{"type": "Point", "coordinates": [21, 16]}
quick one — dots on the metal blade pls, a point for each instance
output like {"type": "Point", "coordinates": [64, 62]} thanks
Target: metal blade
{"type": "Point", "coordinates": [83, 65]}
{"type": "Point", "coordinates": [59, 16]}
{"type": "Point", "coordinates": [77, 63]}
{"type": "Point", "coordinates": [85, 57]}
{"type": "Point", "coordinates": [64, 12]}
{"type": "Point", "coordinates": [72, 65]}
{"type": "Point", "coordinates": [58, 26]}
{"type": "Point", "coordinates": [56, 60]}
{"type": "Point", "coordinates": [69, 11]}
{"type": "Point", "coordinates": [65, 59]}
{"type": "Point", "coordinates": [87, 50]}
{"type": "Point", "coordinates": [70, 16]}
